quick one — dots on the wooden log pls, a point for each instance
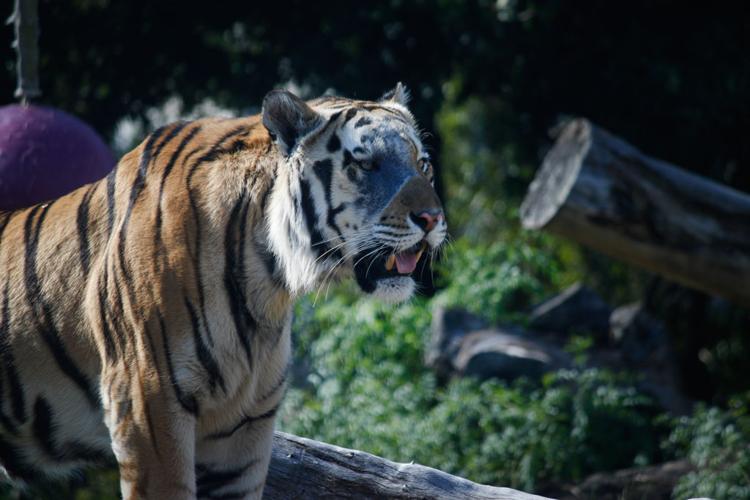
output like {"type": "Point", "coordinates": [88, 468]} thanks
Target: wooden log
{"type": "Point", "coordinates": [604, 193]}
{"type": "Point", "coordinates": [305, 469]}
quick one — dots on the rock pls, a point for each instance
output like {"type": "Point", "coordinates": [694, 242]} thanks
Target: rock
{"type": "Point", "coordinates": [501, 354]}
{"type": "Point", "coordinates": [654, 482]}
{"type": "Point", "coordinates": [462, 344]}
{"type": "Point", "coordinates": [449, 326]}
{"type": "Point", "coordinates": [577, 309]}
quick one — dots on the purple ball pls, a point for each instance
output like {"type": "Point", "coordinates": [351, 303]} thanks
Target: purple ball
{"type": "Point", "coordinates": [46, 153]}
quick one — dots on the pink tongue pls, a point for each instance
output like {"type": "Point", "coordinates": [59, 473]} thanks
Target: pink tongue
{"type": "Point", "coordinates": [406, 262]}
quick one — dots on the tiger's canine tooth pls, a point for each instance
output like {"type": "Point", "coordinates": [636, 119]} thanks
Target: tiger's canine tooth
{"type": "Point", "coordinates": [390, 261]}
{"type": "Point", "coordinates": [421, 250]}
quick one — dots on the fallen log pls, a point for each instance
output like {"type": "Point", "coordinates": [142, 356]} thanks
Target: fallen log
{"type": "Point", "coordinates": [305, 469]}
{"type": "Point", "coordinates": [602, 192]}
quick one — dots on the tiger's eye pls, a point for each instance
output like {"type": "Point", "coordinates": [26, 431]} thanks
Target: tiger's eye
{"type": "Point", "coordinates": [367, 165]}
{"type": "Point", "coordinates": [426, 166]}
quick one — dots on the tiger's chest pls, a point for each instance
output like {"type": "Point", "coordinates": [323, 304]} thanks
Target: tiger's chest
{"type": "Point", "coordinates": [249, 382]}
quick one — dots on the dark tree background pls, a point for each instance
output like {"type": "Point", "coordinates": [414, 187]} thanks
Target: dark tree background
{"type": "Point", "coordinates": [672, 78]}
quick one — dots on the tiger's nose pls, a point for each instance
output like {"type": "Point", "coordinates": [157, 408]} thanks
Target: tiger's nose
{"type": "Point", "coordinates": [427, 219]}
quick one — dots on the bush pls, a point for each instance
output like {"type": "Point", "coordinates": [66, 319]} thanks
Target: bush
{"type": "Point", "coordinates": [502, 280]}
{"type": "Point", "coordinates": [718, 444]}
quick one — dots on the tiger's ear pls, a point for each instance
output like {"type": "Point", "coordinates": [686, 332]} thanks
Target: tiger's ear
{"type": "Point", "coordinates": [398, 94]}
{"type": "Point", "coordinates": [288, 118]}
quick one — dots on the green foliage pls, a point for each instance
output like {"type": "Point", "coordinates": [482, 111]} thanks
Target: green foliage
{"type": "Point", "coordinates": [718, 444]}
{"type": "Point", "coordinates": [502, 280]}
{"type": "Point", "coordinates": [370, 391]}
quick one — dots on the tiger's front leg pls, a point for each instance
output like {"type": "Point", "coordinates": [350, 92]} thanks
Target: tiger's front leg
{"type": "Point", "coordinates": [233, 463]}
{"type": "Point", "coordinates": [153, 437]}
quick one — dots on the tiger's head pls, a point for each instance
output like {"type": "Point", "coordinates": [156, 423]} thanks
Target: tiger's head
{"type": "Point", "coordinates": [353, 194]}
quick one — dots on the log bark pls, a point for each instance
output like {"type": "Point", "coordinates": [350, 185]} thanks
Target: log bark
{"type": "Point", "coordinates": [604, 193]}
{"type": "Point", "coordinates": [304, 469]}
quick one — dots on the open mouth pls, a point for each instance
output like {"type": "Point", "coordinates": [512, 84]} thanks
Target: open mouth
{"type": "Point", "coordinates": [369, 269]}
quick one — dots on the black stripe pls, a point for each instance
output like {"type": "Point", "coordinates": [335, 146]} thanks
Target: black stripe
{"type": "Point", "coordinates": [44, 432]}
{"type": "Point", "coordinates": [324, 170]}
{"type": "Point", "coordinates": [362, 122]}
{"type": "Point", "coordinates": [135, 190]}
{"type": "Point", "coordinates": [269, 262]}
{"type": "Point", "coordinates": [261, 247]}
{"type": "Point", "coordinates": [78, 451]}
{"type": "Point", "coordinates": [122, 329]}
{"type": "Point", "coordinates": [308, 211]}
{"type": "Point", "coordinates": [331, 122]}
{"type": "Point", "coordinates": [176, 129]}
{"type": "Point", "coordinates": [138, 183]}
{"type": "Point", "coordinates": [331, 218]}
{"type": "Point", "coordinates": [245, 421]}
{"type": "Point", "coordinates": [151, 428]}
{"type": "Point", "coordinates": [234, 244]}
{"type": "Point", "coordinates": [6, 216]}
{"type": "Point", "coordinates": [334, 143]}
{"type": "Point", "coordinates": [205, 356]}
{"type": "Point", "coordinates": [82, 221]}
{"type": "Point", "coordinates": [187, 401]}
{"type": "Point", "coordinates": [120, 326]}
{"type": "Point", "coordinates": [6, 424]}
{"type": "Point", "coordinates": [392, 233]}
{"type": "Point", "coordinates": [42, 310]}
{"type": "Point", "coordinates": [146, 156]}
{"type": "Point", "coordinates": [278, 385]}
{"type": "Point", "coordinates": [334, 116]}
{"type": "Point", "coordinates": [236, 147]}
{"type": "Point", "coordinates": [43, 426]}
{"type": "Point", "coordinates": [12, 460]}
{"type": "Point", "coordinates": [111, 178]}
{"type": "Point", "coordinates": [196, 255]}
{"type": "Point", "coordinates": [198, 269]}
{"type": "Point", "coordinates": [348, 158]}
{"type": "Point", "coordinates": [110, 350]}
{"type": "Point", "coordinates": [218, 148]}
{"type": "Point", "coordinates": [350, 114]}
{"type": "Point", "coordinates": [168, 169]}
{"type": "Point", "coordinates": [18, 401]}
{"type": "Point", "coordinates": [192, 153]}
{"type": "Point", "coordinates": [209, 480]}
{"type": "Point", "coordinates": [375, 107]}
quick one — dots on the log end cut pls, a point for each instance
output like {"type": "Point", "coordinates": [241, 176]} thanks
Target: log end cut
{"type": "Point", "coordinates": [557, 175]}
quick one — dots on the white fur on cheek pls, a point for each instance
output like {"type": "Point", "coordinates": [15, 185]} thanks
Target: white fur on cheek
{"type": "Point", "coordinates": [300, 265]}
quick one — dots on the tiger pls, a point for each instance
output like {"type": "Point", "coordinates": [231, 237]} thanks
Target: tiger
{"type": "Point", "coordinates": [145, 319]}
